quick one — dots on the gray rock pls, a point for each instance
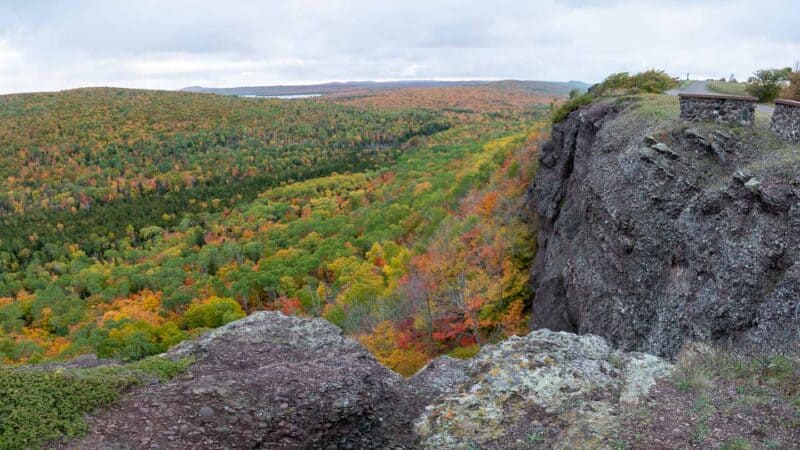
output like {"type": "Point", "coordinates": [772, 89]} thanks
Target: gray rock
{"type": "Point", "coordinates": [664, 149]}
{"type": "Point", "coordinates": [786, 119]}
{"type": "Point", "coordinates": [439, 376]}
{"type": "Point", "coordinates": [266, 381]}
{"type": "Point", "coordinates": [650, 252]}
{"type": "Point", "coordinates": [752, 185]}
{"type": "Point", "coordinates": [312, 388]}
{"type": "Point", "coordinates": [578, 383]}
{"type": "Point", "coordinates": [718, 108]}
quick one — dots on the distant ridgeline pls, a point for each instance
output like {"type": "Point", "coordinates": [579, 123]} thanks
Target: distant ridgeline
{"type": "Point", "coordinates": [539, 87]}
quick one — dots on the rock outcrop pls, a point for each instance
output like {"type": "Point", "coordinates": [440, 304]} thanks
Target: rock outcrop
{"type": "Point", "coordinates": [654, 231]}
{"type": "Point", "coordinates": [272, 381]}
{"type": "Point", "coordinates": [544, 390]}
{"type": "Point", "coordinates": [266, 381]}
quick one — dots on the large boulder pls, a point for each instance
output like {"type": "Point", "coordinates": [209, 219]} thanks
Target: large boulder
{"type": "Point", "coordinates": [545, 390]}
{"type": "Point", "coordinates": [265, 381]}
{"type": "Point", "coordinates": [654, 231]}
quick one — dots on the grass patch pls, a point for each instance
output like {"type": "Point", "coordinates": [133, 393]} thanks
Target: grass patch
{"type": "Point", "coordinates": [40, 405]}
{"type": "Point", "coordinates": [655, 107]}
{"type": "Point", "coordinates": [703, 410]}
{"type": "Point", "coordinates": [728, 88]}
{"type": "Point", "coordinates": [758, 376]}
{"type": "Point", "coordinates": [725, 384]}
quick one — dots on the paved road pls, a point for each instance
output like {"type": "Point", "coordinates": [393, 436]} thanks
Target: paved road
{"type": "Point", "coordinates": [701, 87]}
{"type": "Point", "coordinates": [694, 87]}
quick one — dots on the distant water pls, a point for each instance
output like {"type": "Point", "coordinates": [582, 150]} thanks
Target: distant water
{"type": "Point", "coordinates": [287, 97]}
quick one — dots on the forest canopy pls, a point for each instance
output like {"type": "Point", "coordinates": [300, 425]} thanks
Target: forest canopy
{"type": "Point", "coordinates": [135, 219]}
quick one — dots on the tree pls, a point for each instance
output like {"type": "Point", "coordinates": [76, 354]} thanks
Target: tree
{"type": "Point", "coordinates": [212, 313]}
{"type": "Point", "coordinates": [792, 91]}
{"type": "Point", "coordinates": [767, 83]}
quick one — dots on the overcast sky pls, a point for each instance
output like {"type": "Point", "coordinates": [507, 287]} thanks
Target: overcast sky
{"type": "Point", "coordinates": [169, 44]}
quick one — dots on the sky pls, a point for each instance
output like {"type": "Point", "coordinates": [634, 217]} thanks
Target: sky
{"type": "Point", "coordinates": [48, 45]}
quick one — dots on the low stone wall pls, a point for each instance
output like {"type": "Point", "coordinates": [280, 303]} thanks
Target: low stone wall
{"type": "Point", "coordinates": [718, 108]}
{"type": "Point", "coordinates": [786, 119]}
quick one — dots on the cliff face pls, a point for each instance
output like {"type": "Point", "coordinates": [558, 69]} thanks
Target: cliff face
{"type": "Point", "coordinates": [654, 231]}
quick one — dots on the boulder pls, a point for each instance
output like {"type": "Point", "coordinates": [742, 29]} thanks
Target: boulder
{"type": "Point", "coordinates": [544, 390]}
{"type": "Point", "coordinates": [265, 381]}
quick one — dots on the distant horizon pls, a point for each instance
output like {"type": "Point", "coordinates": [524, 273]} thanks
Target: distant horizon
{"type": "Point", "coordinates": [334, 82]}
{"type": "Point", "coordinates": [53, 45]}
{"type": "Point", "coordinates": [305, 84]}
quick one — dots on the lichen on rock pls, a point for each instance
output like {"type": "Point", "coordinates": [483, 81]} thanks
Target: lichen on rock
{"type": "Point", "coordinates": [551, 389]}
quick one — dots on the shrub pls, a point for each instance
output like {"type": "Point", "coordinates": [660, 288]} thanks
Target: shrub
{"type": "Point", "coordinates": [132, 340]}
{"type": "Point", "coordinates": [39, 405]}
{"type": "Point", "coordinates": [650, 81]}
{"type": "Point", "coordinates": [574, 102]}
{"type": "Point", "coordinates": [213, 313]}
{"type": "Point", "coordinates": [768, 83]}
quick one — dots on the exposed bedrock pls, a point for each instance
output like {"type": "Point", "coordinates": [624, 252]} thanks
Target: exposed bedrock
{"type": "Point", "coordinates": [654, 232]}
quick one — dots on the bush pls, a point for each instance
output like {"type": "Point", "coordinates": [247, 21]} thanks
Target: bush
{"type": "Point", "coordinates": [651, 82]}
{"type": "Point", "coordinates": [575, 101]}
{"type": "Point", "coordinates": [464, 352]}
{"type": "Point", "coordinates": [212, 314]}
{"type": "Point", "coordinates": [131, 340]}
{"type": "Point", "coordinates": [39, 405]}
{"type": "Point", "coordinates": [767, 84]}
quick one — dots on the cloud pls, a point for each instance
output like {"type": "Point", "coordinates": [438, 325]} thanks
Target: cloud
{"type": "Point", "coordinates": [58, 44]}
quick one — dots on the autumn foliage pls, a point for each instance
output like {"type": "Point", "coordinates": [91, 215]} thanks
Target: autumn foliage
{"type": "Point", "coordinates": [425, 251]}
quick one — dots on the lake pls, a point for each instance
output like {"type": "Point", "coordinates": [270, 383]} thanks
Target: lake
{"type": "Point", "coordinates": [287, 97]}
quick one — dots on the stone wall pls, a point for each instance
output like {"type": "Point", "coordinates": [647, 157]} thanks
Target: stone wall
{"type": "Point", "coordinates": [786, 119]}
{"type": "Point", "coordinates": [718, 108]}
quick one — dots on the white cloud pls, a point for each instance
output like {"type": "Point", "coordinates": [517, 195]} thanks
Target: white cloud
{"type": "Point", "coordinates": [57, 44]}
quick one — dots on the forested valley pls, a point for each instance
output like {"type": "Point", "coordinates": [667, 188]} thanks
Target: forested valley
{"type": "Point", "coordinates": [132, 220]}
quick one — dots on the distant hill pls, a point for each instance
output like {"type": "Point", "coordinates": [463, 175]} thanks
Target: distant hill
{"type": "Point", "coordinates": [547, 87]}
{"type": "Point", "coordinates": [544, 87]}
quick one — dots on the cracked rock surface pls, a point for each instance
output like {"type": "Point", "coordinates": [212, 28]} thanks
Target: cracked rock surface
{"type": "Point", "coordinates": [266, 381]}
{"type": "Point", "coordinates": [544, 390]}
{"type": "Point", "coordinates": [656, 231]}
{"type": "Point", "coordinates": [272, 381]}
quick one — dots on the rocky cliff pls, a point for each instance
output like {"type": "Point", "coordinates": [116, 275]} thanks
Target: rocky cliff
{"type": "Point", "coordinates": [654, 231]}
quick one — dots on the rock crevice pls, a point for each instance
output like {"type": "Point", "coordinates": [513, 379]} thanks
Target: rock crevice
{"type": "Point", "coordinates": [653, 233]}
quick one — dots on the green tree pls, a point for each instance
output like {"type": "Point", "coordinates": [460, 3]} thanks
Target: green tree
{"type": "Point", "coordinates": [768, 83]}
{"type": "Point", "coordinates": [213, 313]}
